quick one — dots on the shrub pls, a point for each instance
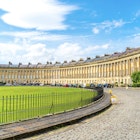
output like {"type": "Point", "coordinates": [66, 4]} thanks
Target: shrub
{"type": "Point", "coordinates": [136, 84]}
{"type": "Point", "coordinates": [136, 77]}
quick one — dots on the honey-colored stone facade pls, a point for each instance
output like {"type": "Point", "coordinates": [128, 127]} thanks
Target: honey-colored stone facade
{"type": "Point", "coordinates": [114, 68]}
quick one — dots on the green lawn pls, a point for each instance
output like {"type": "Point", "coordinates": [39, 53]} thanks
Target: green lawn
{"type": "Point", "coordinates": [24, 102]}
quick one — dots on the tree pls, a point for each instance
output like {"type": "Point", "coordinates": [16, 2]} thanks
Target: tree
{"type": "Point", "coordinates": [136, 77]}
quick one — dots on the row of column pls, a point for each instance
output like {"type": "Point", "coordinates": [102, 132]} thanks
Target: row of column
{"type": "Point", "coordinates": [112, 69]}
{"type": "Point", "coordinates": [115, 69]}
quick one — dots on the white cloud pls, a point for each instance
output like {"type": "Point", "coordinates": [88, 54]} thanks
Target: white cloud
{"type": "Point", "coordinates": [112, 24]}
{"type": "Point", "coordinates": [107, 25]}
{"type": "Point", "coordinates": [105, 46]}
{"type": "Point", "coordinates": [35, 53]}
{"type": "Point", "coordinates": [24, 52]}
{"type": "Point", "coordinates": [96, 47]}
{"type": "Point", "coordinates": [68, 51]}
{"type": "Point", "coordinates": [38, 14]}
{"type": "Point", "coordinates": [95, 30]}
{"type": "Point", "coordinates": [39, 52]}
{"type": "Point", "coordinates": [137, 35]}
{"type": "Point", "coordinates": [35, 35]}
{"type": "Point", "coordinates": [134, 40]}
{"type": "Point", "coordinates": [9, 51]}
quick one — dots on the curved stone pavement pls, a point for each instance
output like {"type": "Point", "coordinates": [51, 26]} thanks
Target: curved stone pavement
{"type": "Point", "coordinates": [120, 122]}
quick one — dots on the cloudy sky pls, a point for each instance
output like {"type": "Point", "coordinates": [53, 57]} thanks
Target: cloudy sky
{"type": "Point", "coordinates": [57, 30]}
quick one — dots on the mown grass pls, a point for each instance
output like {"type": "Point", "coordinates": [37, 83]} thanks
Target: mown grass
{"type": "Point", "coordinates": [19, 103]}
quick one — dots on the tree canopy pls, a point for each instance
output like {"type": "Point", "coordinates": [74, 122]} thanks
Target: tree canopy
{"type": "Point", "coordinates": [136, 77]}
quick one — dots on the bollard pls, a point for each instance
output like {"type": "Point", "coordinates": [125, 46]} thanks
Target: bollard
{"type": "Point", "coordinates": [113, 97]}
{"type": "Point", "coordinates": [110, 92]}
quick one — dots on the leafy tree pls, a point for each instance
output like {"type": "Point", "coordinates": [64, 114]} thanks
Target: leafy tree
{"type": "Point", "coordinates": [136, 77]}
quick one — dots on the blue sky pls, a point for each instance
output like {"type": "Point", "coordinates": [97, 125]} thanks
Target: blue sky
{"type": "Point", "coordinates": [58, 30]}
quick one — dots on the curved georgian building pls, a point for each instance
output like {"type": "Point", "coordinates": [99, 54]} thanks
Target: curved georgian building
{"type": "Point", "coordinates": [114, 68]}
